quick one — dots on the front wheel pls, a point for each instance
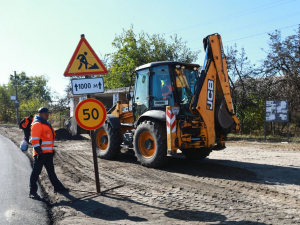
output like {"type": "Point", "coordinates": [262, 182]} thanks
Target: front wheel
{"type": "Point", "coordinates": [150, 144]}
{"type": "Point", "coordinates": [108, 141]}
{"type": "Point", "coordinates": [196, 153]}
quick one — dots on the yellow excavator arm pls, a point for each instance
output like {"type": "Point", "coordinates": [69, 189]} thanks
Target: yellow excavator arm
{"type": "Point", "coordinates": [212, 99]}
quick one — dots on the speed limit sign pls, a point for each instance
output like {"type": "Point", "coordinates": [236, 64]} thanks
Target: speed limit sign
{"type": "Point", "coordinates": [90, 114]}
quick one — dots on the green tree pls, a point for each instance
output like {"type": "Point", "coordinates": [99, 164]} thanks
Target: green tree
{"type": "Point", "coordinates": [7, 108]}
{"type": "Point", "coordinates": [34, 87]}
{"type": "Point", "coordinates": [134, 50]}
{"type": "Point", "coordinates": [33, 93]}
{"type": "Point", "coordinates": [60, 109]}
{"type": "Point", "coordinates": [282, 68]}
{"type": "Point", "coordinates": [248, 95]}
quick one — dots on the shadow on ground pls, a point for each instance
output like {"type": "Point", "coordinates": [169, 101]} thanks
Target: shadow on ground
{"type": "Point", "coordinates": [189, 215]}
{"type": "Point", "coordinates": [95, 209]}
{"type": "Point", "coordinates": [225, 169]}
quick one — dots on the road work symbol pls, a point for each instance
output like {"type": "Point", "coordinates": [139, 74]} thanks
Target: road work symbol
{"type": "Point", "coordinates": [84, 61]}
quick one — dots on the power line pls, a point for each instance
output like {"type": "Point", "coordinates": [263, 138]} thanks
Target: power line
{"type": "Point", "coordinates": [255, 35]}
{"type": "Point", "coordinates": [231, 16]}
{"type": "Point", "coordinates": [260, 33]}
{"type": "Point", "coordinates": [33, 85]}
{"type": "Point", "coordinates": [250, 25]}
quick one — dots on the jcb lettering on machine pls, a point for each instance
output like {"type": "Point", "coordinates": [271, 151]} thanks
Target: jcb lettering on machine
{"type": "Point", "coordinates": [210, 94]}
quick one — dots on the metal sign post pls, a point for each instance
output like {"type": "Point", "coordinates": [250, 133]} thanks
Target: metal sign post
{"type": "Point", "coordinates": [90, 114]}
{"type": "Point", "coordinates": [95, 159]}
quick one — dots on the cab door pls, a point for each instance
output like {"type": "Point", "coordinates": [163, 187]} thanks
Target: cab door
{"type": "Point", "coordinates": [141, 93]}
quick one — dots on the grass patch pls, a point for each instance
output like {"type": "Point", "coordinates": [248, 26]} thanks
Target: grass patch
{"type": "Point", "coordinates": [261, 138]}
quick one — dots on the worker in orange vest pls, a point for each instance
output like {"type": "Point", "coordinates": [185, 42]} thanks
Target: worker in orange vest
{"type": "Point", "coordinates": [166, 91]}
{"type": "Point", "coordinates": [166, 87]}
{"type": "Point", "coordinates": [25, 126]}
{"type": "Point", "coordinates": [42, 140]}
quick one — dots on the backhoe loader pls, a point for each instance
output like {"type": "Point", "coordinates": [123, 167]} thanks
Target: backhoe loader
{"type": "Point", "coordinates": [175, 106]}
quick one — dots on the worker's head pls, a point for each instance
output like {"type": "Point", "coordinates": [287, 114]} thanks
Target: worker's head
{"type": "Point", "coordinates": [30, 117]}
{"type": "Point", "coordinates": [44, 113]}
{"type": "Point", "coordinates": [85, 53]}
{"type": "Point", "coordinates": [165, 80]}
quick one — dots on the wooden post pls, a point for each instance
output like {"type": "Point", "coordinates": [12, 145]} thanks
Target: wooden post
{"type": "Point", "coordinates": [288, 132]}
{"type": "Point", "coordinates": [265, 130]}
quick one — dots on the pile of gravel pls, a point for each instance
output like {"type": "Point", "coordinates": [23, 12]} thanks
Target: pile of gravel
{"type": "Point", "coordinates": [64, 134]}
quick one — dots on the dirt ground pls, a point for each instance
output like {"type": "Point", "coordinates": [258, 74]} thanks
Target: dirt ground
{"type": "Point", "coordinates": [247, 183]}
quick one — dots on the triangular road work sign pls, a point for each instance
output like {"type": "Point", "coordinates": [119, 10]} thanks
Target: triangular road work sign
{"type": "Point", "coordinates": [84, 61]}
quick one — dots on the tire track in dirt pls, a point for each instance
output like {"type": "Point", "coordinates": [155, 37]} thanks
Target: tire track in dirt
{"type": "Point", "coordinates": [201, 192]}
{"type": "Point", "coordinates": [233, 199]}
{"type": "Point", "coordinates": [237, 195]}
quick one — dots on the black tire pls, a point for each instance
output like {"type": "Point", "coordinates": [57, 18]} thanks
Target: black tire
{"type": "Point", "coordinates": [108, 141]}
{"type": "Point", "coordinates": [196, 154]}
{"type": "Point", "coordinates": [155, 145]}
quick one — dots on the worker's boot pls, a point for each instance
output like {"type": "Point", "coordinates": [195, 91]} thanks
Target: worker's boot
{"type": "Point", "coordinates": [34, 196]}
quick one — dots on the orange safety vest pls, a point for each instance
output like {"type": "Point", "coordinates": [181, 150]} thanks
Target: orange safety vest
{"type": "Point", "coordinates": [24, 125]}
{"type": "Point", "coordinates": [41, 135]}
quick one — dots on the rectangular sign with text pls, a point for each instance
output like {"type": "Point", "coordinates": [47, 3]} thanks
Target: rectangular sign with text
{"type": "Point", "coordinates": [277, 111]}
{"type": "Point", "coordinates": [87, 86]}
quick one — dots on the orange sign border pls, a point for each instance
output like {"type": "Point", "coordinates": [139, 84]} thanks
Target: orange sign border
{"type": "Point", "coordinates": [78, 107]}
{"type": "Point", "coordinates": [67, 74]}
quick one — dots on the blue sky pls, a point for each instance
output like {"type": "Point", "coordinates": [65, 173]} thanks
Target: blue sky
{"type": "Point", "coordinates": [39, 37]}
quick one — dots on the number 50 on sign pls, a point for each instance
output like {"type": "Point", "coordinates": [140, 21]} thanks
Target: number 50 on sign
{"type": "Point", "coordinates": [90, 114]}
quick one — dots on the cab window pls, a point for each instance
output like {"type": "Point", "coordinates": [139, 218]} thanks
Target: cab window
{"type": "Point", "coordinates": [162, 90]}
{"type": "Point", "coordinates": [141, 93]}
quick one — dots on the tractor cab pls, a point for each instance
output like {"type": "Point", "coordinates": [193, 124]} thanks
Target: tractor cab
{"type": "Point", "coordinates": [162, 84]}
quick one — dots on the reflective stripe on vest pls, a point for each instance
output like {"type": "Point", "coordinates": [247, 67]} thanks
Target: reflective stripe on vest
{"type": "Point", "coordinates": [35, 138]}
{"type": "Point", "coordinates": [47, 148]}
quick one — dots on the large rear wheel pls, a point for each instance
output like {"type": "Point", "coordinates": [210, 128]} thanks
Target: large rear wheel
{"type": "Point", "coordinates": [150, 144]}
{"type": "Point", "coordinates": [196, 153]}
{"type": "Point", "coordinates": [108, 141]}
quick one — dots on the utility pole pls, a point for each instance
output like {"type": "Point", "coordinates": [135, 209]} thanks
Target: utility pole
{"type": "Point", "coordinates": [16, 101]}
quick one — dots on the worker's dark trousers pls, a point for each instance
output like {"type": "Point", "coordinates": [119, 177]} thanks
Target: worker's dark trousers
{"type": "Point", "coordinates": [26, 134]}
{"type": "Point", "coordinates": [46, 160]}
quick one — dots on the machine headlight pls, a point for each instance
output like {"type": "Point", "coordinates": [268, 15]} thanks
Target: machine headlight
{"type": "Point", "coordinates": [175, 110]}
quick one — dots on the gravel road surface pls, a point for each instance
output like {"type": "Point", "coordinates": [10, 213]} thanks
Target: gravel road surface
{"type": "Point", "coordinates": [247, 183]}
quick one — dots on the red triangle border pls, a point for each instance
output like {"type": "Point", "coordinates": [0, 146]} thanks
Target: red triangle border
{"type": "Point", "coordinates": [67, 74]}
